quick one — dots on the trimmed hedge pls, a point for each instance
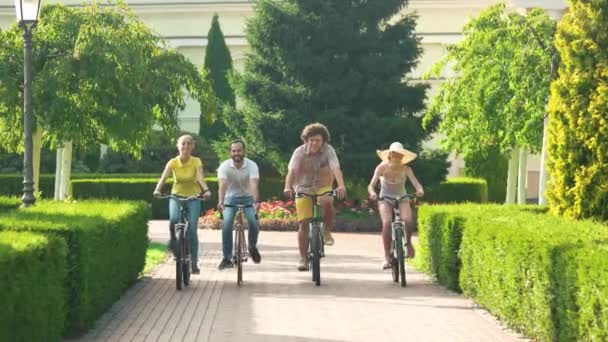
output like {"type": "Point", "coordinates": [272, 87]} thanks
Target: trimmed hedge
{"type": "Point", "coordinates": [142, 188]}
{"type": "Point", "coordinates": [545, 276]}
{"type": "Point", "coordinates": [106, 248]}
{"type": "Point", "coordinates": [459, 190]}
{"type": "Point", "coordinates": [12, 184]}
{"type": "Point", "coordinates": [32, 273]}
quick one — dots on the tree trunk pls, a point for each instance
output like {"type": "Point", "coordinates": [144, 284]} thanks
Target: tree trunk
{"type": "Point", "coordinates": [66, 171]}
{"type": "Point", "coordinates": [512, 176]}
{"type": "Point", "coordinates": [58, 165]}
{"type": "Point", "coordinates": [522, 175]}
{"type": "Point", "coordinates": [544, 172]}
{"type": "Point", "coordinates": [37, 149]}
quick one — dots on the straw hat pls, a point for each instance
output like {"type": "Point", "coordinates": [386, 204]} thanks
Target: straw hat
{"type": "Point", "coordinates": [396, 147]}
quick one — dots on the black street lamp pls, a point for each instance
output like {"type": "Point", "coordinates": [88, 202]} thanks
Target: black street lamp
{"type": "Point", "coordinates": [27, 16]}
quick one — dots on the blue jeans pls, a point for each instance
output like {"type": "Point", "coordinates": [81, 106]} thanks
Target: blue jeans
{"type": "Point", "coordinates": [229, 214]}
{"type": "Point", "coordinates": [194, 212]}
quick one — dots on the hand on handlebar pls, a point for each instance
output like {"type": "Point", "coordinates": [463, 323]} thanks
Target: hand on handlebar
{"type": "Point", "coordinates": [288, 192]}
{"type": "Point", "coordinates": [341, 192]}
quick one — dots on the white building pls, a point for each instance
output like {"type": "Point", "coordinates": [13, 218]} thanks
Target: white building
{"type": "Point", "coordinates": [185, 23]}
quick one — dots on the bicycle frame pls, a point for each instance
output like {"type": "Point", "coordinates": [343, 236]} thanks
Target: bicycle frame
{"type": "Point", "coordinates": [316, 243]}
{"type": "Point", "coordinates": [183, 260]}
{"type": "Point", "coordinates": [240, 250]}
{"type": "Point", "coordinates": [398, 240]}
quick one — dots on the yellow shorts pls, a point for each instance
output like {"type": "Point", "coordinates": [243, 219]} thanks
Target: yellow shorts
{"type": "Point", "coordinates": [304, 204]}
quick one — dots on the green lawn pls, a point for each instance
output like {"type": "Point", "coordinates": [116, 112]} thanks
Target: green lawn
{"type": "Point", "coordinates": [155, 254]}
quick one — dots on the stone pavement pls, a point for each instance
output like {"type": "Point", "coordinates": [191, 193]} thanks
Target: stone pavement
{"type": "Point", "coordinates": [355, 302]}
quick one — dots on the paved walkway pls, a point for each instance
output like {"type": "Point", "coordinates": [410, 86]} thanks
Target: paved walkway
{"type": "Point", "coordinates": [355, 302]}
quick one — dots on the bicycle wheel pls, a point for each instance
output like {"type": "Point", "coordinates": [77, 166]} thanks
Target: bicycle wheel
{"type": "Point", "coordinates": [400, 255]}
{"type": "Point", "coordinates": [394, 264]}
{"type": "Point", "coordinates": [239, 259]}
{"type": "Point", "coordinates": [179, 260]}
{"type": "Point", "coordinates": [186, 265]}
{"type": "Point", "coordinates": [315, 247]}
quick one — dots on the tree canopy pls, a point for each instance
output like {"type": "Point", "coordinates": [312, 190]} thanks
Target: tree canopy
{"type": "Point", "coordinates": [99, 76]}
{"type": "Point", "coordinates": [341, 63]}
{"type": "Point", "coordinates": [498, 99]}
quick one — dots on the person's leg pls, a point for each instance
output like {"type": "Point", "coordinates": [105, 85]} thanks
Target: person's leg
{"type": "Point", "coordinates": [328, 219]}
{"type": "Point", "coordinates": [173, 219]}
{"type": "Point", "coordinates": [303, 228]}
{"type": "Point", "coordinates": [228, 214]}
{"type": "Point", "coordinates": [385, 210]}
{"type": "Point", "coordinates": [406, 214]}
{"type": "Point", "coordinates": [252, 224]}
{"type": "Point", "coordinates": [304, 213]}
{"type": "Point", "coordinates": [194, 212]}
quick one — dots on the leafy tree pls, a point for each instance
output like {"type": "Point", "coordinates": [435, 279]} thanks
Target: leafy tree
{"type": "Point", "coordinates": [490, 165]}
{"type": "Point", "coordinates": [578, 125]}
{"type": "Point", "coordinates": [342, 63]}
{"type": "Point", "coordinates": [218, 64]}
{"type": "Point", "coordinates": [154, 156]}
{"type": "Point", "coordinates": [497, 102]}
{"type": "Point", "coordinates": [100, 76]}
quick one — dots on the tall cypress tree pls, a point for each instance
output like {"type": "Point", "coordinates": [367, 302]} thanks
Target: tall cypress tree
{"type": "Point", "coordinates": [578, 115]}
{"type": "Point", "coordinates": [342, 63]}
{"type": "Point", "coordinates": [218, 63]}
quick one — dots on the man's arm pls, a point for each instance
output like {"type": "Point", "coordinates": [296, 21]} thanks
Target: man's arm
{"type": "Point", "coordinates": [334, 165]}
{"type": "Point", "coordinates": [341, 189]}
{"type": "Point", "coordinates": [254, 188]}
{"type": "Point", "coordinates": [254, 181]}
{"type": "Point", "coordinates": [288, 191]}
{"type": "Point", "coordinates": [221, 192]}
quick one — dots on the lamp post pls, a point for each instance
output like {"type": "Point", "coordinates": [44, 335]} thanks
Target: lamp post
{"type": "Point", "coordinates": [27, 16]}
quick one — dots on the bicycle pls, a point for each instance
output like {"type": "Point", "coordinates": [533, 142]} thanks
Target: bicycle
{"type": "Point", "coordinates": [316, 245]}
{"type": "Point", "coordinates": [398, 245]}
{"type": "Point", "coordinates": [241, 252]}
{"type": "Point", "coordinates": [181, 250]}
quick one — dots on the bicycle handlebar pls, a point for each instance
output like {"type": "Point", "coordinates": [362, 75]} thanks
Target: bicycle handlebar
{"type": "Point", "coordinates": [303, 194]}
{"type": "Point", "coordinates": [406, 196]}
{"type": "Point", "coordinates": [183, 199]}
{"type": "Point", "coordinates": [238, 205]}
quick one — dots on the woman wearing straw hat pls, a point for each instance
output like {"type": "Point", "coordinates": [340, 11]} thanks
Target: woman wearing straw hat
{"type": "Point", "coordinates": [393, 173]}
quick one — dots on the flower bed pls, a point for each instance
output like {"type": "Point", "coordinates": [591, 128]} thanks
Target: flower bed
{"type": "Point", "coordinates": [278, 215]}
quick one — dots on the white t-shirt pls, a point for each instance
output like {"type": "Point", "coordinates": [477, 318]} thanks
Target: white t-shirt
{"type": "Point", "coordinates": [237, 179]}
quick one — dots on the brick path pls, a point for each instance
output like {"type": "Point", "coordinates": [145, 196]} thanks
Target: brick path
{"type": "Point", "coordinates": [356, 300]}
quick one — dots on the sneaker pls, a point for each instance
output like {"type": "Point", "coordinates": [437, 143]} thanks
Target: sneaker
{"type": "Point", "coordinates": [386, 265]}
{"type": "Point", "coordinates": [411, 252]}
{"type": "Point", "coordinates": [329, 240]}
{"type": "Point", "coordinates": [255, 255]}
{"type": "Point", "coordinates": [225, 263]}
{"type": "Point", "coordinates": [195, 269]}
{"type": "Point", "coordinates": [303, 265]}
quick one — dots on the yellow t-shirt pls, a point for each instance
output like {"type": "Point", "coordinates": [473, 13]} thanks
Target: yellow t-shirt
{"type": "Point", "coordinates": [184, 176]}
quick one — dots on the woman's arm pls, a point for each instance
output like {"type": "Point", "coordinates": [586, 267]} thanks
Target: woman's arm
{"type": "Point", "coordinates": [410, 174]}
{"type": "Point", "coordinates": [163, 178]}
{"type": "Point", "coordinates": [371, 188]}
{"type": "Point", "coordinates": [200, 178]}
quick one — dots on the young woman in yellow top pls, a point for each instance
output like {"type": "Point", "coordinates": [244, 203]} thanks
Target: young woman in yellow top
{"type": "Point", "coordinates": [188, 180]}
